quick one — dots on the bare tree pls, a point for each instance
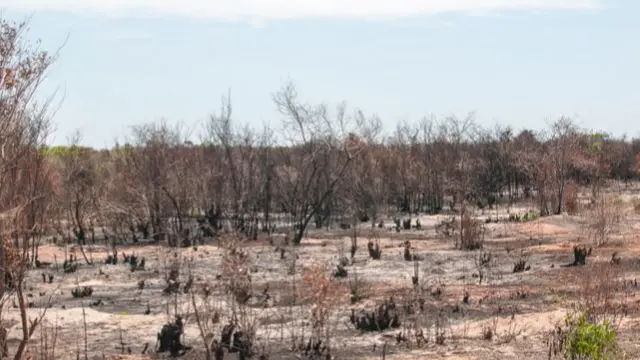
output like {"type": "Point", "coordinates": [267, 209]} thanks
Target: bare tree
{"type": "Point", "coordinates": [405, 165]}
{"type": "Point", "coordinates": [153, 161]}
{"type": "Point", "coordinates": [316, 148]}
{"type": "Point", "coordinates": [42, 190]}
{"type": "Point", "coordinates": [365, 192]}
{"type": "Point", "coordinates": [432, 164]}
{"type": "Point", "coordinates": [241, 165]}
{"type": "Point", "coordinates": [80, 190]}
{"type": "Point", "coordinates": [561, 151]}
{"type": "Point", "coordinates": [124, 209]}
{"type": "Point", "coordinates": [24, 126]}
{"type": "Point", "coordinates": [267, 177]}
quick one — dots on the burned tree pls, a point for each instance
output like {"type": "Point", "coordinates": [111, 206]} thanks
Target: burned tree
{"type": "Point", "coordinates": [364, 192]}
{"type": "Point", "coordinates": [374, 250]}
{"type": "Point", "coordinates": [580, 254]}
{"type": "Point", "coordinates": [24, 126]}
{"type": "Point", "coordinates": [169, 338]}
{"type": "Point", "coordinates": [312, 169]}
{"type": "Point", "coordinates": [153, 163]}
{"type": "Point", "coordinates": [81, 190]}
{"type": "Point", "coordinates": [240, 164]}
{"type": "Point", "coordinates": [383, 317]}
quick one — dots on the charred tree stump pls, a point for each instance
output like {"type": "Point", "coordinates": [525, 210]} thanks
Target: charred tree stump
{"type": "Point", "coordinates": [169, 338]}
{"type": "Point", "coordinates": [382, 318]}
{"type": "Point", "coordinates": [241, 345]}
{"type": "Point", "coordinates": [580, 254]}
{"type": "Point", "coordinates": [226, 336]}
{"type": "Point", "coordinates": [374, 251]}
{"type": "Point", "coordinates": [407, 251]}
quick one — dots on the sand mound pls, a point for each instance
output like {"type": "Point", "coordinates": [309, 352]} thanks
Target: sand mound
{"type": "Point", "coordinates": [564, 246]}
{"type": "Point", "coordinates": [525, 324]}
{"type": "Point", "coordinates": [540, 228]}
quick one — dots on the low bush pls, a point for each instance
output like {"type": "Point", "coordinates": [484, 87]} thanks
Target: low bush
{"type": "Point", "coordinates": [588, 340]}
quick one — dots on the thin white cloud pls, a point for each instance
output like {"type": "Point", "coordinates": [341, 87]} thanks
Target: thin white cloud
{"type": "Point", "coordinates": [132, 35]}
{"type": "Point", "coordinates": [264, 10]}
{"type": "Point", "coordinates": [484, 13]}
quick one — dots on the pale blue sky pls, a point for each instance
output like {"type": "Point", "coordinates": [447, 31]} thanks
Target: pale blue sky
{"type": "Point", "coordinates": [520, 64]}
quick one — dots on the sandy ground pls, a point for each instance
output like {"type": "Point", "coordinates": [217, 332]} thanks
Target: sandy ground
{"type": "Point", "coordinates": [520, 323]}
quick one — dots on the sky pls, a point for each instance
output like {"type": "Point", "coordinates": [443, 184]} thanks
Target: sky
{"type": "Point", "coordinates": [519, 63]}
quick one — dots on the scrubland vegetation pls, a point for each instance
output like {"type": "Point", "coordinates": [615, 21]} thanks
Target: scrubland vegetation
{"type": "Point", "coordinates": [440, 239]}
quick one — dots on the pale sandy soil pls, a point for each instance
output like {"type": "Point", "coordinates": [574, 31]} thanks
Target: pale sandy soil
{"type": "Point", "coordinates": [520, 324]}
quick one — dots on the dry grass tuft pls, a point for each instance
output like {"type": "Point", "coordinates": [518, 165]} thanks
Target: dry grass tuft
{"type": "Point", "coordinates": [605, 218]}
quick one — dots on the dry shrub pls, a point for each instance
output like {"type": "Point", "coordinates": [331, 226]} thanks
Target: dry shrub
{"type": "Point", "coordinates": [358, 288]}
{"type": "Point", "coordinates": [324, 295]}
{"type": "Point", "coordinates": [483, 261]}
{"type": "Point", "coordinates": [602, 293]}
{"type": "Point", "coordinates": [15, 266]}
{"type": "Point", "coordinates": [447, 227]}
{"type": "Point", "coordinates": [605, 218]}
{"type": "Point", "coordinates": [46, 347]}
{"type": "Point", "coordinates": [589, 330]}
{"type": "Point", "coordinates": [12, 257]}
{"type": "Point", "coordinates": [14, 262]}
{"type": "Point", "coordinates": [236, 272]}
{"type": "Point", "coordinates": [570, 198]}
{"type": "Point", "coordinates": [471, 234]}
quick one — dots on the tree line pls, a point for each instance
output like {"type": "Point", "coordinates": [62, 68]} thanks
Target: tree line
{"type": "Point", "coordinates": [326, 164]}
{"type": "Point", "coordinates": [335, 167]}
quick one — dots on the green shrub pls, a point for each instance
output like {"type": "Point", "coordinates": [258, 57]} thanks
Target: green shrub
{"type": "Point", "coordinates": [586, 340]}
{"type": "Point", "coordinates": [530, 216]}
